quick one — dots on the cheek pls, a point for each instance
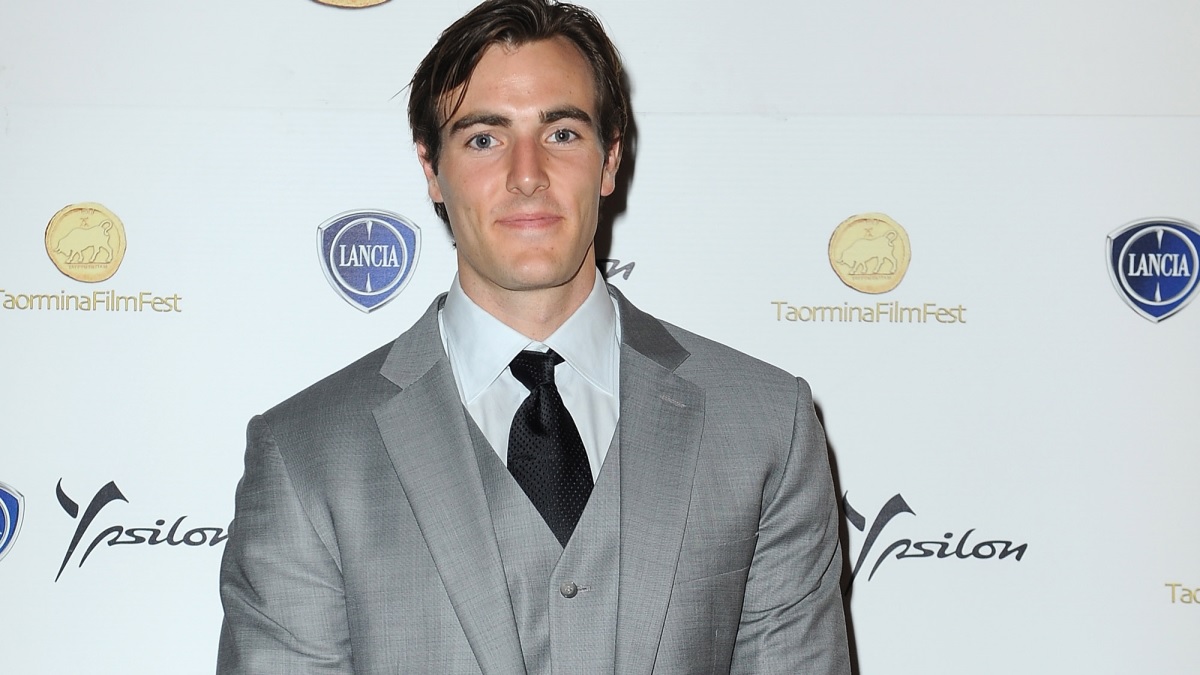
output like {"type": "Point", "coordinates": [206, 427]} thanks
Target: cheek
{"type": "Point", "coordinates": [464, 190]}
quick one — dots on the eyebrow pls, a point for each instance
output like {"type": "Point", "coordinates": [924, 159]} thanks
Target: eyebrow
{"type": "Point", "coordinates": [568, 112]}
{"type": "Point", "coordinates": [485, 119]}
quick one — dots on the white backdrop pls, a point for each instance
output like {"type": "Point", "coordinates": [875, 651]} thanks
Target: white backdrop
{"type": "Point", "coordinates": [1008, 139]}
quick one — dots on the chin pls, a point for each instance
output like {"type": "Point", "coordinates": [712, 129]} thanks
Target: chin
{"type": "Point", "coordinates": [536, 283]}
{"type": "Point", "coordinates": [541, 278]}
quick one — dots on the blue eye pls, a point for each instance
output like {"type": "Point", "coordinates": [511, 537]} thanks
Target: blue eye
{"type": "Point", "coordinates": [481, 142]}
{"type": "Point", "coordinates": [564, 136]}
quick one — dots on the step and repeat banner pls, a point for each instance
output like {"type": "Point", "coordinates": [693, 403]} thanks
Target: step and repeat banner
{"type": "Point", "coordinates": [971, 226]}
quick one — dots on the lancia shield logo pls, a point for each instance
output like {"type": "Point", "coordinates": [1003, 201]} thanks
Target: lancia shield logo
{"type": "Point", "coordinates": [368, 256]}
{"type": "Point", "coordinates": [1154, 264]}
{"type": "Point", "coordinates": [12, 510]}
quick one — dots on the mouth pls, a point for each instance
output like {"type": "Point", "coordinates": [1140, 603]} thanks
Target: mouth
{"type": "Point", "coordinates": [533, 220]}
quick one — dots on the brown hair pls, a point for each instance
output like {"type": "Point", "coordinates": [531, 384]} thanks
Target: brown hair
{"type": "Point", "coordinates": [453, 59]}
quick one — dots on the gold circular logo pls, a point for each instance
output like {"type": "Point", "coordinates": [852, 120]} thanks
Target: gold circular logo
{"type": "Point", "coordinates": [870, 252]}
{"type": "Point", "coordinates": [353, 4]}
{"type": "Point", "coordinates": [86, 242]}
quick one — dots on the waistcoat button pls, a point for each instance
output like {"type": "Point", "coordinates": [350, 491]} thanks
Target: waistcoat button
{"type": "Point", "coordinates": [568, 589]}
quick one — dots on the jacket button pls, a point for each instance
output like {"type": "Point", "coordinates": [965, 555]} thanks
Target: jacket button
{"type": "Point", "coordinates": [568, 589]}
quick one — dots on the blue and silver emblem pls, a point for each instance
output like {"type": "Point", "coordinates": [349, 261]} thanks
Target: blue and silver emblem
{"type": "Point", "coordinates": [1154, 265]}
{"type": "Point", "coordinates": [12, 510]}
{"type": "Point", "coordinates": [368, 256]}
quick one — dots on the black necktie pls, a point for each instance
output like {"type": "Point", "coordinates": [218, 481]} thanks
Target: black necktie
{"type": "Point", "coordinates": [545, 452]}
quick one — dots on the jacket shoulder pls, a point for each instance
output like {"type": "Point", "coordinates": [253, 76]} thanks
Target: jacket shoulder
{"type": "Point", "coordinates": [346, 394]}
{"type": "Point", "coordinates": [712, 364]}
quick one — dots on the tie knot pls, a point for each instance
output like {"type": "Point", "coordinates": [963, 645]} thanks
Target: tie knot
{"type": "Point", "coordinates": [534, 369]}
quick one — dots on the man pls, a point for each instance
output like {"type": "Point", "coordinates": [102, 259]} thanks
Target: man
{"type": "Point", "coordinates": [537, 476]}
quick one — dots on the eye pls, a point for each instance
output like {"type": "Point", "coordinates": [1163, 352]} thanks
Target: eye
{"type": "Point", "coordinates": [563, 136]}
{"type": "Point", "coordinates": [481, 142]}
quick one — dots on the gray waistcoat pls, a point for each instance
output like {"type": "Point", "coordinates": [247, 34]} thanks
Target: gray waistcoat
{"type": "Point", "coordinates": [558, 634]}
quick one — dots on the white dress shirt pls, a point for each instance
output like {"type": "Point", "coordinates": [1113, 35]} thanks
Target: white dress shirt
{"type": "Point", "coordinates": [480, 348]}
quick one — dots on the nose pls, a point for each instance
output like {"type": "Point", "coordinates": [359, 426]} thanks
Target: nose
{"type": "Point", "coordinates": [527, 168]}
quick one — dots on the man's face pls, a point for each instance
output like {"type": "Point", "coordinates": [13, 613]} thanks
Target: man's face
{"type": "Point", "coordinates": [522, 170]}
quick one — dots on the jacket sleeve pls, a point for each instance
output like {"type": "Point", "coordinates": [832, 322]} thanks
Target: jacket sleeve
{"type": "Point", "coordinates": [281, 585]}
{"type": "Point", "coordinates": [792, 620]}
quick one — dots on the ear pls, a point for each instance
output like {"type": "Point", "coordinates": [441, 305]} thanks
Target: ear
{"type": "Point", "coordinates": [435, 190]}
{"type": "Point", "coordinates": [612, 162]}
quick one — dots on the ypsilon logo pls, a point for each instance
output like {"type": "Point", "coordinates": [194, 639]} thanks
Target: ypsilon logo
{"type": "Point", "coordinates": [1154, 265]}
{"type": "Point", "coordinates": [12, 511]}
{"type": "Point", "coordinates": [952, 547]}
{"type": "Point", "coordinates": [119, 534]}
{"type": "Point", "coordinates": [368, 256]}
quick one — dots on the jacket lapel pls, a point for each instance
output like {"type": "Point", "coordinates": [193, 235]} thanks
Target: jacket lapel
{"type": "Point", "coordinates": [425, 431]}
{"type": "Point", "coordinates": [662, 416]}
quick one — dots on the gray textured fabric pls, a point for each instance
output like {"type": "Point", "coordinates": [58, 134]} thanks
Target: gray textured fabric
{"type": "Point", "coordinates": [558, 634]}
{"type": "Point", "coordinates": [363, 540]}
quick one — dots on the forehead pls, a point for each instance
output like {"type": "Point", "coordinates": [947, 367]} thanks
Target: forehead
{"type": "Point", "coordinates": [534, 76]}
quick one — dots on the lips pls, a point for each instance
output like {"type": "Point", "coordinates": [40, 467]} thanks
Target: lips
{"type": "Point", "coordinates": [530, 220]}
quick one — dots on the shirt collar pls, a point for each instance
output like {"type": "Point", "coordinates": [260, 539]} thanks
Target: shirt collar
{"type": "Point", "coordinates": [590, 339]}
{"type": "Point", "coordinates": [481, 346]}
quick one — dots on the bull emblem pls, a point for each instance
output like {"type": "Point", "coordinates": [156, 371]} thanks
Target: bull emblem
{"type": "Point", "coordinates": [858, 256]}
{"type": "Point", "coordinates": [78, 241]}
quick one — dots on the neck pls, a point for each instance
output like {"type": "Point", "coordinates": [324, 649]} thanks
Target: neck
{"type": "Point", "coordinates": [534, 313]}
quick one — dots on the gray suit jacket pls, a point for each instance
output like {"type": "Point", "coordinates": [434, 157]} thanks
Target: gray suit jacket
{"type": "Point", "coordinates": [362, 541]}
